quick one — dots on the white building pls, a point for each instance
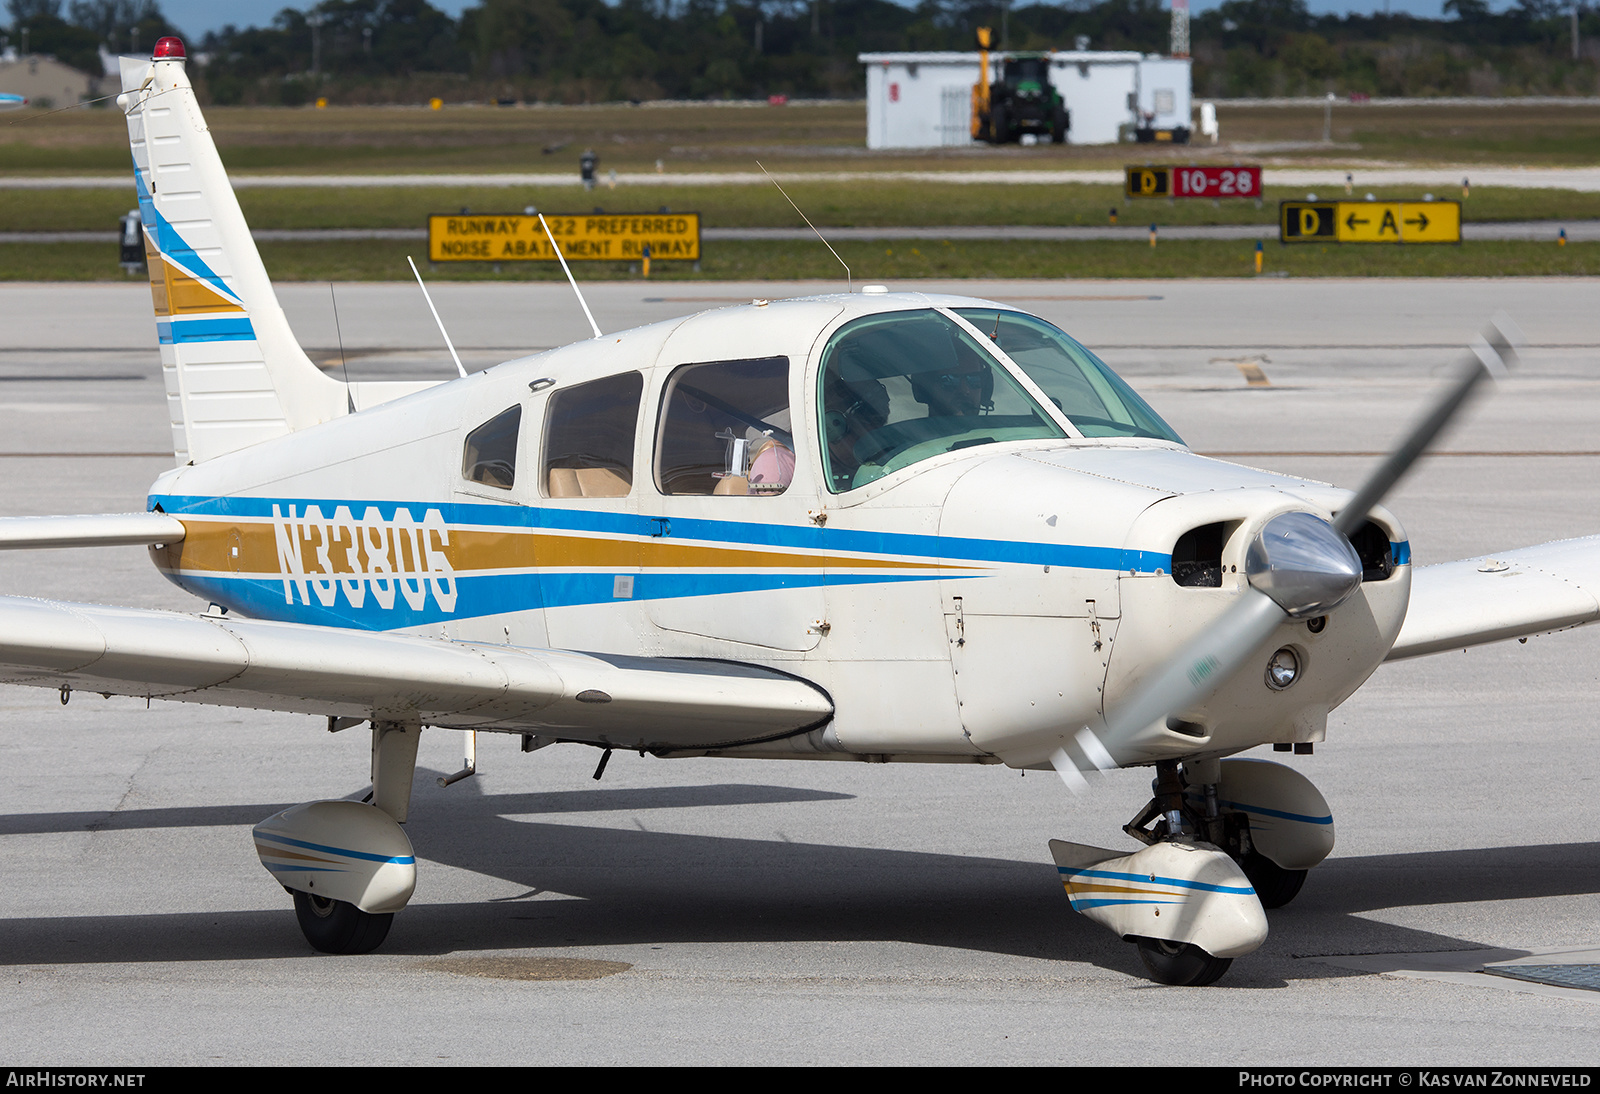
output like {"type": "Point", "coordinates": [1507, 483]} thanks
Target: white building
{"type": "Point", "coordinates": [924, 100]}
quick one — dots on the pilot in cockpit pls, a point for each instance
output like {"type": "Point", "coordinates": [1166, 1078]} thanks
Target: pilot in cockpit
{"type": "Point", "coordinates": [959, 392]}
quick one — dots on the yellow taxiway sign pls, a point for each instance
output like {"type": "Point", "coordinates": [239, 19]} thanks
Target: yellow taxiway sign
{"type": "Point", "coordinates": [1369, 222]}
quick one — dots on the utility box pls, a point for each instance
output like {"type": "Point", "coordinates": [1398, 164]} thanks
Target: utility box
{"type": "Point", "coordinates": [130, 242]}
{"type": "Point", "coordinates": [924, 100]}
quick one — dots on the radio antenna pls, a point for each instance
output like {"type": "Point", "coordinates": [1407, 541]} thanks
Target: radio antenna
{"type": "Point", "coordinates": [589, 315]}
{"type": "Point", "coordinates": [349, 396]}
{"type": "Point", "coordinates": [849, 284]}
{"type": "Point", "coordinates": [448, 344]}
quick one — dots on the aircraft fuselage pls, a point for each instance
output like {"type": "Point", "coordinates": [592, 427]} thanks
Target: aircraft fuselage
{"type": "Point", "coordinates": [979, 604]}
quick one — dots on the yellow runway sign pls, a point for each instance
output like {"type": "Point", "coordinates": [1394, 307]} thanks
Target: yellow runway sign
{"type": "Point", "coordinates": [597, 237]}
{"type": "Point", "coordinates": [1369, 222]}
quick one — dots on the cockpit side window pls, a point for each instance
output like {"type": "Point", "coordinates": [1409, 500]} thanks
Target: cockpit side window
{"type": "Point", "coordinates": [490, 454]}
{"type": "Point", "coordinates": [725, 429]}
{"type": "Point", "coordinates": [1082, 386]}
{"type": "Point", "coordinates": [588, 438]}
{"type": "Point", "coordinates": [904, 386]}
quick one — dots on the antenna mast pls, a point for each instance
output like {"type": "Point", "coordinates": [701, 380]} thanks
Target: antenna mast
{"type": "Point", "coordinates": [849, 284]}
{"type": "Point", "coordinates": [448, 344]}
{"type": "Point", "coordinates": [589, 315]}
{"type": "Point", "coordinates": [349, 396]}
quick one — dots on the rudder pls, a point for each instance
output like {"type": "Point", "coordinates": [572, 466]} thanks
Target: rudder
{"type": "Point", "coordinates": [234, 373]}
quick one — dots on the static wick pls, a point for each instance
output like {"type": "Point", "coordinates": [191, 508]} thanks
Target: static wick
{"type": "Point", "coordinates": [849, 284]}
{"type": "Point", "coordinates": [570, 279]}
{"type": "Point", "coordinates": [462, 369]}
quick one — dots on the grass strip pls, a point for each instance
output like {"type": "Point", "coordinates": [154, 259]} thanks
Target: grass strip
{"type": "Point", "coordinates": [381, 260]}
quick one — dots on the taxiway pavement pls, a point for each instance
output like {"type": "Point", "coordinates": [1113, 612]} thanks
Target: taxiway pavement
{"type": "Point", "coordinates": [826, 912]}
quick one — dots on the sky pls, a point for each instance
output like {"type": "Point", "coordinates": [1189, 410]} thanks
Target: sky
{"type": "Point", "coordinates": [196, 17]}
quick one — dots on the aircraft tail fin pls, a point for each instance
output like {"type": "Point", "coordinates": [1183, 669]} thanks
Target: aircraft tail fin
{"type": "Point", "coordinates": [235, 375]}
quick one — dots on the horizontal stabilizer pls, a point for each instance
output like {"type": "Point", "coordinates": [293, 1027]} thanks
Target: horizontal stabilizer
{"type": "Point", "coordinates": [1531, 590]}
{"type": "Point", "coordinates": [89, 530]}
{"type": "Point", "coordinates": [626, 702]}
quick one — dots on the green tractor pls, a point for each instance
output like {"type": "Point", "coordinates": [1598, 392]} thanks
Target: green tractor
{"type": "Point", "coordinates": [1021, 101]}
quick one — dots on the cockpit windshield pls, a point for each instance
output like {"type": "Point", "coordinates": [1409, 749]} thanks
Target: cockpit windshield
{"type": "Point", "coordinates": [905, 386]}
{"type": "Point", "coordinates": [1093, 398]}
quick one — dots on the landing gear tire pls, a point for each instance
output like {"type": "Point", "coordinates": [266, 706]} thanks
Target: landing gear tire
{"type": "Point", "coordinates": [1180, 964]}
{"type": "Point", "coordinates": [1274, 885]}
{"type": "Point", "coordinates": [333, 926]}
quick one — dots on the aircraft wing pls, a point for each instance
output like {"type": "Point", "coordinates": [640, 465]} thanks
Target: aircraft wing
{"type": "Point", "coordinates": [626, 702]}
{"type": "Point", "coordinates": [1527, 591]}
{"type": "Point", "coordinates": [89, 530]}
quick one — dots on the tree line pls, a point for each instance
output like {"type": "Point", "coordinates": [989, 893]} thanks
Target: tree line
{"type": "Point", "coordinates": [593, 51]}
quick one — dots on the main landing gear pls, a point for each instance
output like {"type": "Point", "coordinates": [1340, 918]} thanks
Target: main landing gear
{"type": "Point", "coordinates": [1224, 840]}
{"type": "Point", "coordinates": [336, 926]}
{"type": "Point", "coordinates": [349, 865]}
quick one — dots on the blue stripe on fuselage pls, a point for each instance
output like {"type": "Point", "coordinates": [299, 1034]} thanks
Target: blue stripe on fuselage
{"type": "Point", "coordinates": [479, 594]}
{"type": "Point", "coordinates": [492, 594]}
{"type": "Point", "coordinates": [727, 532]}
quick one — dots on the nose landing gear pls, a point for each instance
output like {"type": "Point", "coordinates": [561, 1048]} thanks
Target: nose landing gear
{"type": "Point", "coordinates": [1185, 904]}
{"type": "Point", "coordinates": [1224, 840]}
{"type": "Point", "coordinates": [1180, 964]}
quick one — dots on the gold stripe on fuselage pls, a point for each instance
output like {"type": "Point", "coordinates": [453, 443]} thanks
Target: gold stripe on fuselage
{"type": "Point", "coordinates": [253, 548]}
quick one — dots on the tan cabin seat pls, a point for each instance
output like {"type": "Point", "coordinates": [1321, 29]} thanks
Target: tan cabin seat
{"type": "Point", "coordinates": [587, 482]}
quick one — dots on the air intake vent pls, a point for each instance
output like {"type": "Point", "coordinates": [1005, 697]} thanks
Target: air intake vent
{"type": "Point", "coordinates": [1373, 548]}
{"type": "Point", "coordinates": [1197, 557]}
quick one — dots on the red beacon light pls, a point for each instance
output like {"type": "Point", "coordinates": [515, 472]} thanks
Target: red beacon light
{"type": "Point", "coordinates": [169, 49]}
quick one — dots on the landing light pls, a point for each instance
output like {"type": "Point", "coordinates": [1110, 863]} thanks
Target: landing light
{"type": "Point", "coordinates": [1283, 669]}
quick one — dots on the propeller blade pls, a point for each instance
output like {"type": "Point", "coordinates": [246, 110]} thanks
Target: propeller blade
{"type": "Point", "coordinates": [1213, 656]}
{"type": "Point", "coordinates": [1298, 566]}
{"type": "Point", "coordinates": [1490, 353]}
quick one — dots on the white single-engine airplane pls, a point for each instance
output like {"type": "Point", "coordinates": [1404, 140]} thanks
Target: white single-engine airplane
{"type": "Point", "coordinates": [872, 526]}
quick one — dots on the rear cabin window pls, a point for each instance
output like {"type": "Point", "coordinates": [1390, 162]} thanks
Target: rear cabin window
{"type": "Point", "coordinates": [490, 454]}
{"type": "Point", "coordinates": [589, 436]}
{"type": "Point", "coordinates": [725, 429]}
